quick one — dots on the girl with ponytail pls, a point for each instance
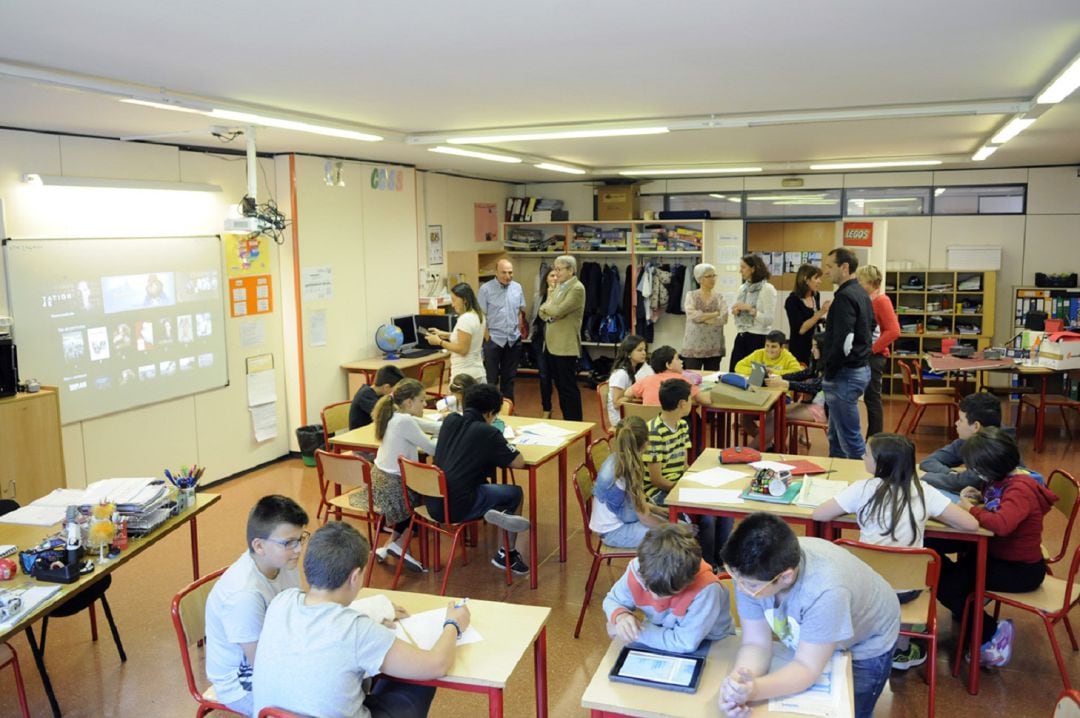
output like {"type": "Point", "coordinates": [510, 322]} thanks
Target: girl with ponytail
{"type": "Point", "coordinates": [620, 512]}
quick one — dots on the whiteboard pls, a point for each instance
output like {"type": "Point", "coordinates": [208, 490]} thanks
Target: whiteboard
{"type": "Point", "coordinates": [118, 323]}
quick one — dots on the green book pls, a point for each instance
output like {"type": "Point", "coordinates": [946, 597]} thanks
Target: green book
{"type": "Point", "coordinates": [788, 496]}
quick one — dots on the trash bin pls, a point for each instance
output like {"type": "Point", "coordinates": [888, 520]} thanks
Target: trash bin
{"type": "Point", "coordinates": [310, 438]}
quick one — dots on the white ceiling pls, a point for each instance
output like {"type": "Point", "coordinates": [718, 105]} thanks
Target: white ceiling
{"type": "Point", "coordinates": [428, 66]}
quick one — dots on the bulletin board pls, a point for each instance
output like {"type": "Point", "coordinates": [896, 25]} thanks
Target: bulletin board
{"type": "Point", "coordinates": [798, 241]}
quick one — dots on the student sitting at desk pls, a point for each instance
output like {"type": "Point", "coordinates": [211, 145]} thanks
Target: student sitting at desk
{"type": "Point", "coordinates": [806, 382]}
{"type": "Point", "coordinates": [683, 601]}
{"type": "Point", "coordinates": [454, 402]}
{"type": "Point", "coordinates": [775, 356]}
{"type": "Point", "coordinates": [666, 364]}
{"type": "Point", "coordinates": [238, 601]}
{"type": "Point", "coordinates": [817, 598]}
{"type": "Point", "coordinates": [363, 402]}
{"type": "Point", "coordinates": [316, 652]}
{"type": "Point", "coordinates": [621, 514]}
{"type": "Point", "coordinates": [469, 450]}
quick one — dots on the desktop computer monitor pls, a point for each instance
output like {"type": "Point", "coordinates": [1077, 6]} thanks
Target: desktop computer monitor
{"type": "Point", "coordinates": [442, 322]}
{"type": "Point", "coordinates": [407, 325]}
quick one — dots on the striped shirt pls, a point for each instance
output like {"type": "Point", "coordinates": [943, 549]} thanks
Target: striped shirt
{"type": "Point", "coordinates": [668, 447]}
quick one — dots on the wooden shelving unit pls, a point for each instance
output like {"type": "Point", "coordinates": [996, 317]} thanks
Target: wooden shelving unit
{"type": "Point", "coordinates": [31, 444]}
{"type": "Point", "coordinates": [934, 304]}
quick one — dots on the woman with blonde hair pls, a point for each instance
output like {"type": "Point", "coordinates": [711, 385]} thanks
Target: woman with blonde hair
{"type": "Point", "coordinates": [886, 331]}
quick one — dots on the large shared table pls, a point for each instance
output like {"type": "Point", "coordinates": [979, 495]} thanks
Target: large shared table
{"type": "Point", "coordinates": [25, 536]}
{"type": "Point", "coordinates": [848, 470]}
{"type": "Point", "coordinates": [485, 667]}
{"type": "Point", "coordinates": [535, 457]}
{"type": "Point", "coordinates": [366, 368]}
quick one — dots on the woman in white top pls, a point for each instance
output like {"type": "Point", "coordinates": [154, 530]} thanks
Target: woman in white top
{"type": "Point", "coordinates": [754, 309]}
{"type": "Point", "coordinates": [400, 429]}
{"type": "Point", "coordinates": [630, 356]}
{"type": "Point", "coordinates": [466, 342]}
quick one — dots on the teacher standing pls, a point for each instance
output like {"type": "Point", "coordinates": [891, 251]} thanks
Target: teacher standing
{"type": "Point", "coordinates": [754, 309]}
{"type": "Point", "coordinates": [706, 315]}
{"type": "Point", "coordinates": [563, 311]}
{"type": "Point", "coordinates": [502, 301]}
{"type": "Point", "coordinates": [805, 311]}
{"type": "Point", "coordinates": [466, 341]}
{"type": "Point", "coordinates": [886, 331]}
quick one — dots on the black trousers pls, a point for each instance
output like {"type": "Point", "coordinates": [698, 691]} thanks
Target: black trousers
{"type": "Point", "coordinates": [540, 357]}
{"type": "Point", "coordinates": [745, 344]}
{"type": "Point", "coordinates": [563, 370]}
{"type": "Point", "coordinates": [875, 414]}
{"type": "Point", "coordinates": [958, 582]}
{"type": "Point", "coordinates": [501, 365]}
{"type": "Point", "coordinates": [704, 363]}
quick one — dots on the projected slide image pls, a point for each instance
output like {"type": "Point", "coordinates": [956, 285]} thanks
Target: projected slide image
{"type": "Point", "coordinates": [147, 372]}
{"type": "Point", "coordinates": [98, 338]}
{"type": "Point", "coordinates": [144, 336]}
{"type": "Point", "coordinates": [137, 291]}
{"type": "Point", "coordinates": [127, 376]}
{"type": "Point", "coordinates": [203, 324]}
{"type": "Point", "coordinates": [74, 345]}
{"type": "Point", "coordinates": [187, 363]}
{"type": "Point", "coordinates": [196, 286]}
{"type": "Point", "coordinates": [121, 338]}
{"type": "Point", "coordinates": [165, 332]}
{"type": "Point", "coordinates": [167, 368]}
{"type": "Point", "coordinates": [103, 383]}
{"type": "Point", "coordinates": [184, 329]}
{"type": "Point", "coordinates": [206, 360]}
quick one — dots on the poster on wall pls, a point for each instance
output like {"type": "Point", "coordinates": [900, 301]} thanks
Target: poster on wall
{"type": "Point", "coordinates": [250, 295]}
{"type": "Point", "coordinates": [434, 245]}
{"type": "Point", "coordinates": [486, 222]}
{"type": "Point", "coordinates": [245, 255]}
{"type": "Point", "coordinates": [858, 234]}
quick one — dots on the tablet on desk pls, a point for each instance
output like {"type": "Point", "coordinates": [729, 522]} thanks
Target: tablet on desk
{"type": "Point", "coordinates": [658, 670]}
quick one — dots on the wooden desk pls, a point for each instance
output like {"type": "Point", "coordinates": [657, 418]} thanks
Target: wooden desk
{"type": "Point", "coordinates": [535, 457]}
{"type": "Point", "coordinates": [485, 667]}
{"type": "Point", "coordinates": [25, 536]}
{"type": "Point", "coordinates": [366, 368]}
{"type": "Point", "coordinates": [777, 403]}
{"type": "Point", "coordinates": [609, 699]}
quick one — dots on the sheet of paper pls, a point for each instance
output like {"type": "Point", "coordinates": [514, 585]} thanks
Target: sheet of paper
{"type": "Point", "coordinates": [828, 695]}
{"type": "Point", "coordinates": [317, 328]}
{"type": "Point", "coordinates": [425, 629]}
{"type": "Point", "coordinates": [317, 283]}
{"type": "Point", "coordinates": [709, 496]}
{"type": "Point", "coordinates": [534, 440]}
{"type": "Point", "coordinates": [31, 599]}
{"type": "Point", "coordinates": [61, 497]}
{"type": "Point", "coordinates": [252, 333]}
{"type": "Point", "coordinates": [774, 465]}
{"type": "Point", "coordinates": [715, 477]}
{"type": "Point", "coordinates": [261, 388]}
{"type": "Point", "coordinates": [817, 490]}
{"type": "Point", "coordinates": [35, 515]}
{"type": "Point", "coordinates": [264, 421]}
{"type": "Point", "coordinates": [543, 429]}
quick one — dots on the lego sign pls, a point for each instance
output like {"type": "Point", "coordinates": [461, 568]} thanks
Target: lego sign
{"type": "Point", "coordinates": [858, 234]}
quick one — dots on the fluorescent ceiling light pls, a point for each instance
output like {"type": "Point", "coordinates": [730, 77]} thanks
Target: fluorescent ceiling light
{"type": "Point", "coordinates": [939, 191]}
{"type": "Point", "coordinates": [984, 152]}
{"type": "Point", "coordinates": [874, 165]}
{"type": "Point", "coordinates": [1062, 86]}
{"type": "Point", "coordinates": [887, 199]}
{"type": "Point", "coordinates": [162, 106]}
{"type": "Point", "coordinates": [1015, 127]}
{"type": "Point", "coordinates": [67, 181]}
{"type": "Point", "coordinates": [558, 135]}
{"type": "Point", "coordinates": [719, 196]}
{"type": "Point", "coordinates": [475, 155]}
{"type": "Point", "coordinates": [265, 121]}
{"type": "Point", "coordinates": [807, 201]}
{"type": "Point", "coordinates": [694, 171]}
{"type": "Point", "coordinates": [772, 197]}
{"type": "Point", "coordinates": [559, 168]}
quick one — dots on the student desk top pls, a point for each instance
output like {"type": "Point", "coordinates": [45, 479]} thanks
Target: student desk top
{"type": "Point", "coordinates": [485, 667]}
{"type": "Point", "coordinates": [535, 457]}
{"type": "Point", "coordinates": [25, 536]}
{"type": "Point", "coordinates": [775, 402]}
{"type": "Point", "coordinates": [367, 367]}
{"type": "Point", "coordinates": [609, 699]}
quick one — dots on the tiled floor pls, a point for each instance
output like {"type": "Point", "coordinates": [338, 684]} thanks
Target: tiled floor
{"type": "Point", "coordinates": [90, 680]}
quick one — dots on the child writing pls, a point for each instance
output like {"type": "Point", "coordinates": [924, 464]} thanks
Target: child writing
{"type": "Point", "coordinates": [455, 402]}
{"type": "Point", "coordinates": [316, 652]}
{"type": "Point", "coordinates": [817, 598]}
{"type": "Point", "coordinates": [629, 357]}
{"type": "Point", "coordinates": [620, 512]}
{"type": "Point", "coordinates": [1012, 505]}
{"type": "Point", "coordinates": [892, 509]}
{"type": "Point", "coordinates": [237, 604]}
{"type": "Point", "coordinates": [400, 428]}
{"type": "Point", "coordinates": [682, 601]}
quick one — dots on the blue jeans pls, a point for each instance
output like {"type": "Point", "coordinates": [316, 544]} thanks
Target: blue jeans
{"type": "Point", "coordinates": [391, 699]}
{"type": "Point", "coordinates": [869, 676]}
{"type": "Point", "coordinates": [842, 394]}
{"type": "Point", "coordinates": [626, 536]}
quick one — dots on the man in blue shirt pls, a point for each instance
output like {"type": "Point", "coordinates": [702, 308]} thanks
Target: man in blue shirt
{"type": "Point", "coordinates": [503, 303]}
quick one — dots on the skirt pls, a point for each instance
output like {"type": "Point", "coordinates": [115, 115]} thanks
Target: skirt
{"type": "Point", "coordinates": [389, 497]}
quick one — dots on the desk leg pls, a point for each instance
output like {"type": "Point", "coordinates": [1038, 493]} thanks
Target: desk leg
{"type": "Point", "coordinates": [977, 618]}
{"type": "Point", "coordinates": [781, 426]}
{"type": "Point", "coordinates": [534, 555]}
{"type": "Point", "coordinates": [563, 460]}
{"type": "Point", "coordinates": [1040, 416]}
{"type": "Point", "coordinates": [762, 419]}
{"type": "Point", "coordinates": [540, 672]}
{"type": "Point", "coordinates": [495, 702]}
{"type": "Point", "coordinates": [672, 514]}
{"type": "Point", "coordinates": [194, 546]}
{"type": "Point", "coordinates": [39, 660]}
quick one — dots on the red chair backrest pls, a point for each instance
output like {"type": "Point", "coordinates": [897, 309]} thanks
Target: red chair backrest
{"type": "Point", "coordinates": [197, 615]}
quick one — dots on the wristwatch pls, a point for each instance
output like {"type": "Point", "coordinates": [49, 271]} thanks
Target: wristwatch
{"type": "Point", "coordinates": [452, 622]}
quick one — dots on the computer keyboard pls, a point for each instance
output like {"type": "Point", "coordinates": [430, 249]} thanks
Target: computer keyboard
{"type": "Point", "coordinates": [418, 352]}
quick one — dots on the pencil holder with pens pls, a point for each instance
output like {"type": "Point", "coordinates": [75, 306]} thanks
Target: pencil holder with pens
{"type": "Point", "coordinates": [184, 481]}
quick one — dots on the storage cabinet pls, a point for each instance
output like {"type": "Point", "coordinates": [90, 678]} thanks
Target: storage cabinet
{"type": "Point", "coordinates": [1055, 302]}
{"type": "Point", "coordinates": [31, 447]}
{"type": "Point", "coordinates": [935, 304]}
{"type": "Point", "coordinates": [475, 268]}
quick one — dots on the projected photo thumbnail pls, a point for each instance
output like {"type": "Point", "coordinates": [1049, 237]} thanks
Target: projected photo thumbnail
{"type": "Point", "coordinates": [137, 291]}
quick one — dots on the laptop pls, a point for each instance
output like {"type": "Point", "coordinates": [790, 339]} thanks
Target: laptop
{"type": "Point", "coordinates": [758, 372]}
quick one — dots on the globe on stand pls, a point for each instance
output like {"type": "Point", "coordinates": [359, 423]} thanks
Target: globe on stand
{"type": "Point", "coordinates": [388, 338]}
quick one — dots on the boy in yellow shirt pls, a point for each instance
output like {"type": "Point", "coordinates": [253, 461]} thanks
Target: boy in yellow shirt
{"type": "Point", "coordinates": [777, 360]}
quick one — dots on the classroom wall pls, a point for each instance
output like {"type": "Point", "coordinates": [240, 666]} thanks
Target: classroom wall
{"type": "Point", "coordinates": [211, 428]}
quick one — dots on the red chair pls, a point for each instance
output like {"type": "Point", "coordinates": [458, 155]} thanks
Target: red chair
{"type": "Point", "coordinates": [429, 480]}
{"type": "Point", "coordinates": [8, 657]}
{"type": "Point", "coordinates": [431, 375]}
{"type": "Point", "coordinates": [1040, 403]}
{"type": "Point", "coordinates": [335, 418]}
{"type": "Point", "coordinates": [189, 620]}
{"type": "Point", "coordinates": [794, 425]}
{"type": "Point", "coordinates": [901, 568]}
{"type": "Point", "coordinates": [584, 478]}
{"type": "Point", "coordinates": [353, 472]}
{"type": "Point", "coordinates": [1051, 602]}
{"type": "Point", "coordinates": [1068, 705]}
{"type": "Point", "coordinates": [920, 401]}
{"type": "Point", "coordinates": [603, 396]}
{"type": "Point", "coordinates": [1067, 489]}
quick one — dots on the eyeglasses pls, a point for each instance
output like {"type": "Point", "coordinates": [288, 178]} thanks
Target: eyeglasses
{"type": "Point", "coordinates": [708, 276]}
{"type": "Point", "coordinates": [290, 544]}
{"type": "Point", "coordinates": [741, 583]}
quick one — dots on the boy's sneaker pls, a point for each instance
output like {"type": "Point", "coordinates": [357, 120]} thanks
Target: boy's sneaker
{"type": "Point", "coordinates": [915, 655]}
{"type": "Point", "coordinates": [510, 522]}
{"type": "Point", "coordinates": [997, 651]}
{"type": "Point", "coordinates": [392, 548]}
{"type": "Point", "coordinates": [517, 564]}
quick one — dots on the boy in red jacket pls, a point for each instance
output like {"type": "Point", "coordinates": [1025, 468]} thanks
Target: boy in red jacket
{"type": "Point", "coordinates": [1012, 505]}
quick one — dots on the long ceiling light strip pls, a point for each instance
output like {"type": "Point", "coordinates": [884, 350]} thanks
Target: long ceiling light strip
{"type": "Point", "coordinates": [113, 183]}
{"type": "Point", "coordinates": [1062, 86]}
{"type": "Point", "coordinates": [285, 124]}
{"type": "Point", "coordinates": [491, 156]}
{"type": "Point", "coordinates": [690, 171]}
{"type": "Point", "coordinates": [874, 165]}
{"type": "Point", "coordinates": [564, 135]}
{"type": "Point", "coordinates": [984, 152]}
{"type": "Point", "coordinates": [554, 167]}
{"type": "Point", "coordinates": [1014, 127]}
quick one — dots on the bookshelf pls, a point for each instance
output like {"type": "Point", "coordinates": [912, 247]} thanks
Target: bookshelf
{"type": "Point", "coordinates": [935, 304]}
{"type": "Point", "coordinates": [1058, 303]}
{"type": "Point", "coordinates": [473, 267]}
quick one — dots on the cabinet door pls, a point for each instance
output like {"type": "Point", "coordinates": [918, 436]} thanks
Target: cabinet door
{"type": "Point", "coordinates": [32, 461]}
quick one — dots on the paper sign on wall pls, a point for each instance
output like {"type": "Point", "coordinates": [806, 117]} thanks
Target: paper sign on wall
{"type": "Point", "coordinates": [317, 283]}
{"type": "Point", "coordinates": [858, 234]}
{"type": "Point", "coordinates": [245, 255]}
{"type": "Point", "coordinates": [250, 295]}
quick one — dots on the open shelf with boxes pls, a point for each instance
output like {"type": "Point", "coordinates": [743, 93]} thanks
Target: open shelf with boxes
{"type": "Point", "coordinates": [1056, 303]}
{"type": "Point", "coordinates": [933, 305]}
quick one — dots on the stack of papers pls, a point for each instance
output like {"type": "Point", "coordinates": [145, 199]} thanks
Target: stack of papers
{"type": "Point", "coordinates": [541, 434]}
{"type": "Point", "coordinates": [715, 477]}
{"type": "Point", "coordinates": [816, 491]}
{"type": "Point", "coordinates": [774, 465]}
{"type": "Point", "coordinates": [31, 598]}
{"type": "Point", "coordinates": [131, 496]}
{"type": "Point", "coordinates": [709, 496]}
{"type": "Point", "coordinates": [424, 629]}
{"type": "Point", "coordinates": [827, 697]}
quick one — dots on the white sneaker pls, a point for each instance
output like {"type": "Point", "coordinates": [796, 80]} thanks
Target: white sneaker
{"type": "Point", "coordinates": [997, 651]}
{"type": "Point", "coordinates": [392, 548]}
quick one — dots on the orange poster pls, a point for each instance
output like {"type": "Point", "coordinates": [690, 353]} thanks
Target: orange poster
{"type": "Point", "coordinates": [250, 295]}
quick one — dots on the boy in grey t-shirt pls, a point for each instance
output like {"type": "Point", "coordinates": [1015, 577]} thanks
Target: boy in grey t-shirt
{"type": "Point", "coordinates": [816, 598]}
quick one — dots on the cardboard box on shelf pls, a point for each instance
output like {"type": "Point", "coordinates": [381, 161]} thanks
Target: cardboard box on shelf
{"type": "Point", "coordinates": [617, 202]}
